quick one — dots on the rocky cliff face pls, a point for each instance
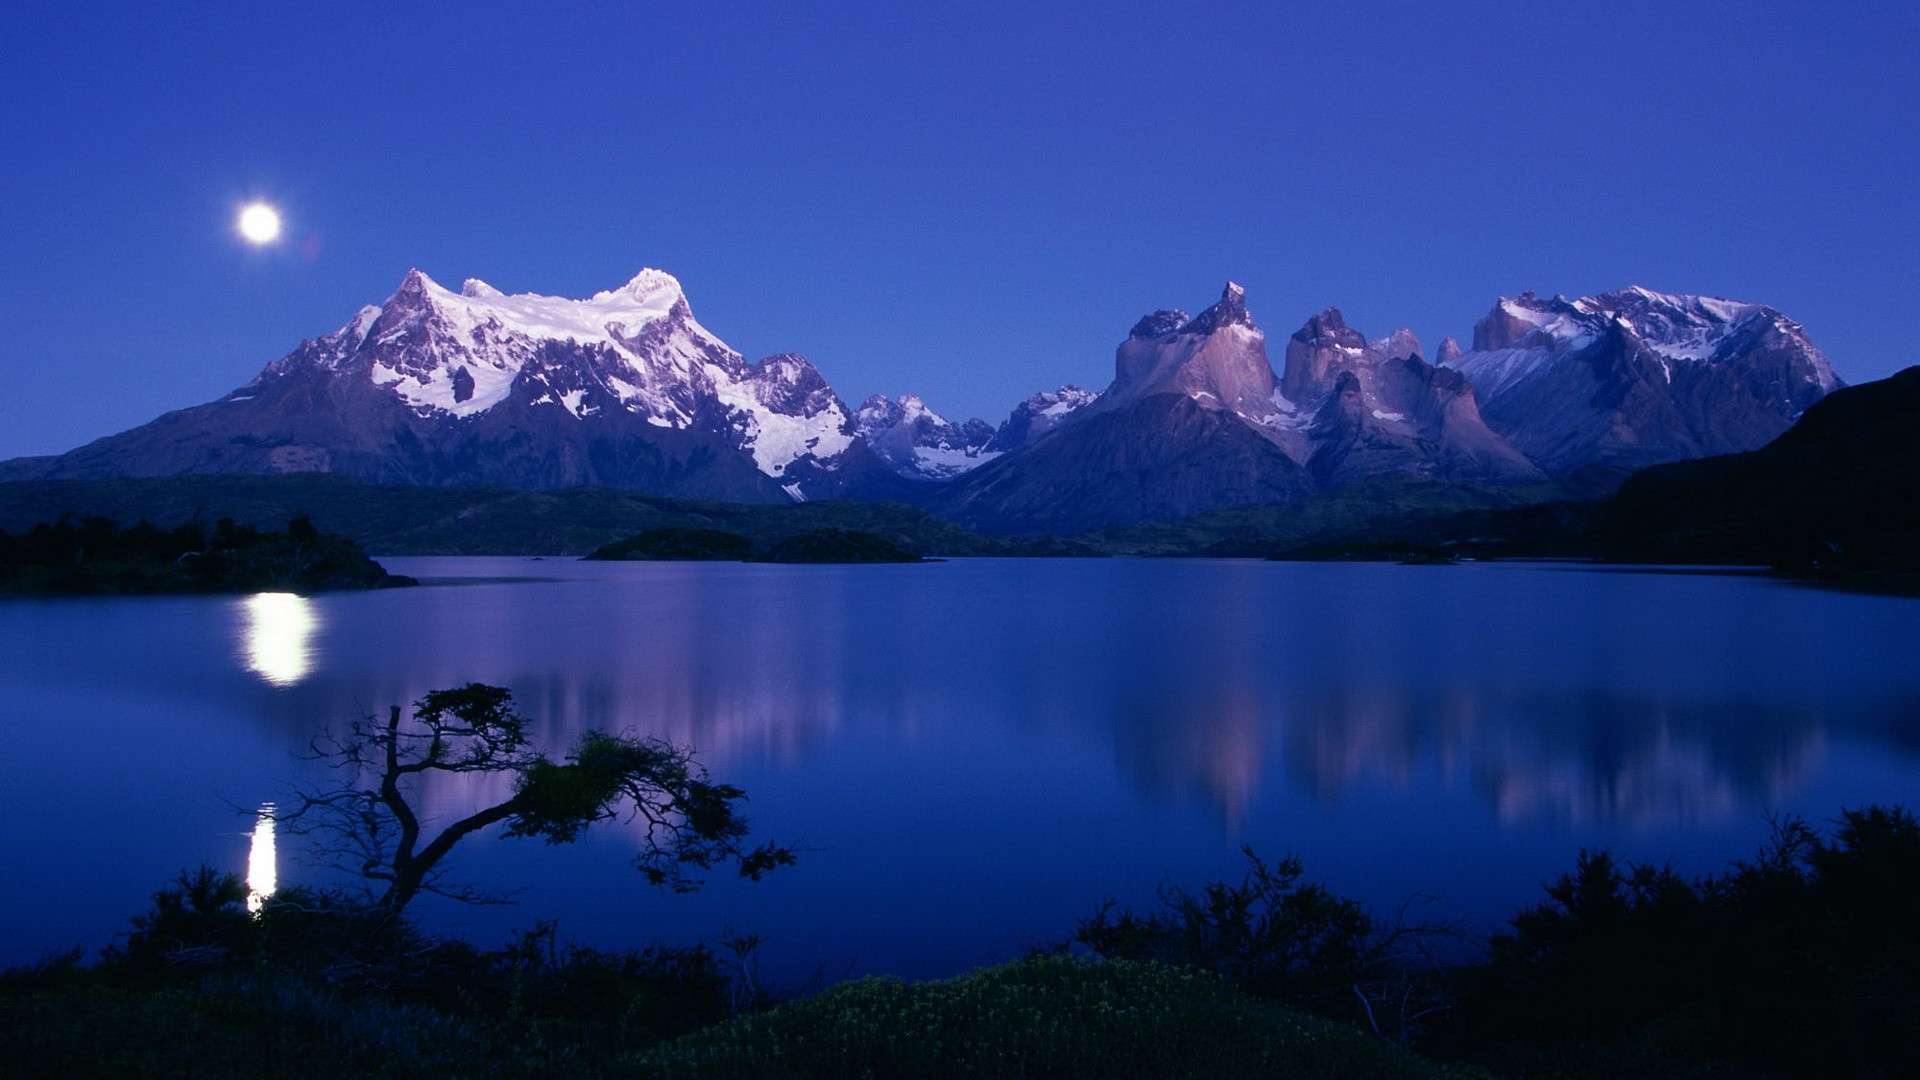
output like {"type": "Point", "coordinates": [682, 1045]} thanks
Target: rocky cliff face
{"type": "Point", "coordinates": [625, 388]}
{"type": "Point", "coordinates": [1195, 419]}
{"type": "Point", "coordinates": [1378, 406]}
{"type": "Point", "coordinates": [1623, 380]}
{"type": "Point", "coordinates": [1038, 415]}
{"type": "Point", "coordinates": [920, 444]}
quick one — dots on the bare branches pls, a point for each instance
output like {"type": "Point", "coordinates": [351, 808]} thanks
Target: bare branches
{"type": "Point", "coordinates": [369, 825]}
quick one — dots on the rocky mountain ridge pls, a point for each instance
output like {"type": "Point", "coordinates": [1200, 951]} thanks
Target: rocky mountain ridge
{"type": "Point", "coordinates": [626, 389]}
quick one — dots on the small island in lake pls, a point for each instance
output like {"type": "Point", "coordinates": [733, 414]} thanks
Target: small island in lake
{"type": "Point", "coordinates": [98, 556]}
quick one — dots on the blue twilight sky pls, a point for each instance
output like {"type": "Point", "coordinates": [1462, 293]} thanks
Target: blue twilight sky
{"type": "Point", "coordinates": [968, 201]}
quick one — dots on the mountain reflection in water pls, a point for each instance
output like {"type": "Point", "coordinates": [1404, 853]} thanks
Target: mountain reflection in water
{"type": "Point", "coordinates": [974, 753]}
{"type": "Point", "coordinates": [1213, 698]}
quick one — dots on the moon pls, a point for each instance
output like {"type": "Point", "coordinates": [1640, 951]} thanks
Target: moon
{"type": "Point", "coordinates": [260, 223]}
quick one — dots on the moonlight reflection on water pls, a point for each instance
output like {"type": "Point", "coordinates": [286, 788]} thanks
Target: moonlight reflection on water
{"type": "Point", "coordinates": [974, 753]}
{"type": "Point", "coordinates": [262, 868]}
{"type": "Point", "coordinates": [278, 634]}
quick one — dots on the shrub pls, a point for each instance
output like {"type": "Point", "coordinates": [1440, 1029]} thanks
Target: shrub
{"type": "Point", "coordinates": [1799, 963]}
{"type": "Point", "coordinates": [1044, 1016]}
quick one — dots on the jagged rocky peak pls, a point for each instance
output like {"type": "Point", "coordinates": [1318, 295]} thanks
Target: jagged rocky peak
{"type": "Point", "coordinates": [1673, 326]}
{"type": "Point", "coordinates": [1398, 345]}
{"type": "Point", "coordinates": [1165, 321]}
{"type": "Point", "coordinates": [1634, 377]}
{"type": "Point", "coordinates": [1316, 355]}
{"type": "Point", "coordinates": [1038, 415]}
{"type": "Point", "coordinates": [917, 442]}
{"type": "Point", "coordinates": [1448, 351]}
{"type": "Point", "coordinates": [789, 383]}
{"type": "Point", "coordinates": [1218, 358]}
{"type": "Point", "coordinates": [1329, 327]}
{"type": "Point", "coordinates": [1231, 310]}
{"type": "Point", "coordinates": [1512, 319]}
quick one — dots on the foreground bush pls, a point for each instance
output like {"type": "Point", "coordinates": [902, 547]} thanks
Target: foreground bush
{"type": "Point", "coordinates": [1045, 1016]}
{"type": "Point", "coordinates": [1801, 963]}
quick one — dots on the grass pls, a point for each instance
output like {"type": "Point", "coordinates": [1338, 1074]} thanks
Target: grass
{"type": "Point", "coordinates": [1042, 1017]}
{"type": "Point", "coordinates": [1051, 1016]}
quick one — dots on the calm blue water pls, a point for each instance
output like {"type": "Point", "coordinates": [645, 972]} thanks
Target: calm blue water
{"type": "Point", "coordinates": [978, 752]}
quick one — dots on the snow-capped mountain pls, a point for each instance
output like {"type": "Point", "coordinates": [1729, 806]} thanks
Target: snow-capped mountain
{"type": "Point", "coordinates": [433, 386]}
{"type": "Point", "coordinates": [1195, 419]}
{"type": "Point", "coordinates": [625, 388]}
{"type": "Point", "coordinates": [919, 443]}
{"type": "Point", "coordinates": [1038, 415]}
{"type": "Point", "coordinates": [1627, 379]}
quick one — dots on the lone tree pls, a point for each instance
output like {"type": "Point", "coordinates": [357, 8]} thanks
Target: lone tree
{"type": "Point", "coordinates": [370, 825]}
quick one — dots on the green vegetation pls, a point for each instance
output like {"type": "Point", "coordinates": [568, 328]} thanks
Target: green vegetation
{"type": "Point", "coordinates": [392, 519]}
{"type": "Point", "coordinates": [837, 546]}
{"type": "Point", "coordinates": [1395, 510]}
{"type": "Point", "coordinates": [1270, 934]}
{"type": "Point", "coordinates": [370, 823]}
{"type": "Point", "coordinates": [317, 985]}
{"type": "Point", "coordinates": [1045, 1016]}
{"type": "Point", "coordinates": [669, 543]}
{"type": "Point", "coordinates": [1798, 964]}
{"type": "Point", "coordinates": [1837, 497]}
{"type": "Point", "coordinates": [99, 556]}
{"type": "Point", "coordinates": [704, 545]}
{"type": "Point", "coordinates": [402, 520]}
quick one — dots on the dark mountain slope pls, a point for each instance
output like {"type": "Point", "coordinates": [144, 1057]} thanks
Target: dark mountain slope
{"type": "Point", "coordinates": [1838, 491]}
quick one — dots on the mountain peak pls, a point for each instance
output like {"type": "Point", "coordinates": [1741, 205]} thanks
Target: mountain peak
{"type": "Point", "coordinates": [1231, 310]}
{"type": "Point", "coordinates": [474, 288]}
{"type": "Point", "coordinates": [415, 283]}
{"type": "Point", "coordinates": [1398, 345]}
{"type": "Point", "coordinates": [1329, 327]}
{"type": "Point", "coordinates": [648, 286]}
{"type": "Point", "coordinates": [1164, 321]}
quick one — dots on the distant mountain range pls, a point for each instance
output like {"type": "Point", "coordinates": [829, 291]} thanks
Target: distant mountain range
{"type": "Point", "coordinates": [626, 389]}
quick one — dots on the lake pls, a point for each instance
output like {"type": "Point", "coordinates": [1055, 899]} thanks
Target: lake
{"type": "Point", "coordinates": [975, 753]}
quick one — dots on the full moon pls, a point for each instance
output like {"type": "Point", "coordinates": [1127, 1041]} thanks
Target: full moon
{"type": "Point", "coordinates": [260, 224]}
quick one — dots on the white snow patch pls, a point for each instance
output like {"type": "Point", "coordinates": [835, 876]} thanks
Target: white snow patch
{"type": "Point", "coordinates": [434, 389]}
{"type": "Point", "coordinates": [362, 322]}
{"type": "Point", "coordinates": [649, 296]}
{"type": "Point", "coordinates": [943, 462]}
{"type": "Point", "coordinates": [1494, 370]}
{"type": "Point", "coordinates": [775, 439]}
